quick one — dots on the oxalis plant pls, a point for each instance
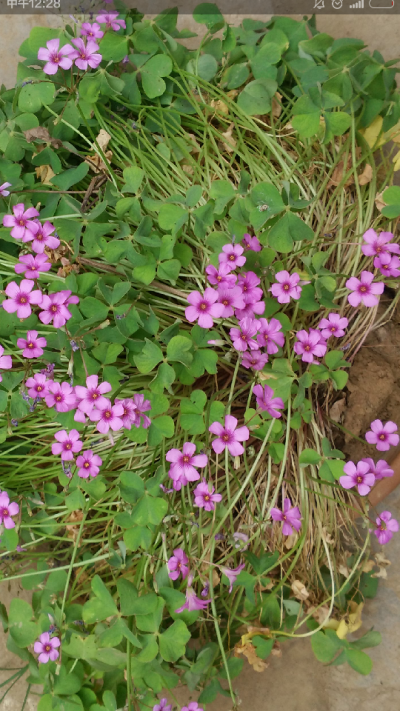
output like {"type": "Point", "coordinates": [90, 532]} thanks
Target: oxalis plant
{"type": "Point", "coordinates": [195, 245]}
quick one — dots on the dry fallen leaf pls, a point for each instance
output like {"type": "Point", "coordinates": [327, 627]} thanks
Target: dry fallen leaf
{"type": "Point", "coordinates": [249, 651]}
{"type": "Point", "coordinates": [383, 563]}
{"type": "Point", "coordinates": [380, 204]}
{"type": "Point", "coordinates": [41, 135]}
{"type": "Point", "coordinates": [327, 536]}
{"type": "Point", "coordinates": [290, 541]}
{"type": "Point", "coordinates": [337, 409]}
{"type": "Point", "coordinates": [299, 590]}
{"type": "Point", "coordinates": [229, 143]}
{"type": "Point", "coordinates": [220, 106]}
{"type": "Point", "coordinates": [372, 133]}
{"type": "Point", "coordinates": [368, 566]}
{"type": "Point", "coordinates": [45, 173]}
{"type": "Point", "coordinates": [321, 615]}
{"type": "Point", "coordinates": [96, 163]}
{"type": "Point", "coordinates": [352, 622]}
{"type": "Point", "coordinates": [339, 172]}
{"type": "Point", "coordinates": [72, 531]}
{"type": "Point", "coordinates": [276, 105]}
{"type": "Point", "coordinates": [366, 175]}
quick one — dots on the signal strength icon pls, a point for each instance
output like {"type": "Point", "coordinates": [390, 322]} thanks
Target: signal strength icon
{"type": "Point", "coordinates": [357, 5]}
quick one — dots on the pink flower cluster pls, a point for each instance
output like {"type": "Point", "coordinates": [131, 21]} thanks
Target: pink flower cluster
{"type": "Point", "coordinates": [55, 57]}
{"type": "Point", "coordinates": [384, 251]}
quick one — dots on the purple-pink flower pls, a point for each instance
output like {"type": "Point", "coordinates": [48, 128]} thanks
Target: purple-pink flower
{"type": "Point", "coordinates": [232, 255]}
{"type": "Point", "coordinates": [183, 465]}
{"type": "Point", "coordinates": [204, 496]}
{"type": "Point", "coordinates": [364, 290]}
{"type": "Point", "coordinates": [5, 361]}
{"type": "Point", "coordinates": [255, 307]}
{"type": "Point", "coordinates": [93, 394]}
{"type": "Point", "coordinates": [193, 705]}
{"type": "Point", "coordinates": [232, 574]}
{"type": "Point", "coordinates": [88, 464]}
{"type": "Point", "coordinates": [203, 308]}
{"type": "Point", "coordinates": [251, 243]}
{"type": "Point", "coordinates": [162, 706]}
{"type": "Point", "coordinates": [229, 435]}
{"type": "Point", "coordinates": [388, 267]}
{"type": "Point", "coordinates": [270, 335]}
{"type": "Point", "coordinates": [287, 287]}
{"type": "Point", "coordinates": [230, 299]}
{"type": "Point", "coordinates": [385, 527]}
{"type": "Point", "coordinates": [254, 359]}
{"type": "Point", "coordinates": [21, 297]}
{"type": "Point", "coordinates": [380, 469]}
{"type": "Point", "coordinates": [55, 308]}
{"type": "Point", "coordinates": [20, 221]}
{"type": "Point", "coordinates": [266, 400]}
{"type": "Point", "coordinates": [377, 245]}
{"type": "Point", "coordinates": [222, 276]}
{"type": "Point", "coordinates": [334, 325]}
{"type": "Point", "coordinates": [32, 345]}
{"type": "Point", "coordinates": [142, 406]}
{"type": "Point", "coordinates": [32, 265]}
{"type": "Point", "coordinates": [61, 396]}
{"type": "Point", "coordinates": [249, 283]}
{"type": "Point", "coordinates": [129, 416]}
{"type": "Point", "coordinates": [3, 189]}
{"type": "Point", "coordinates": [38, 386]}
{"type": "Point", "coordinates": [55, 57]}
{"type": "Point", "coordinates": [108, 416]}
{"type": "Point", "coordinates": [382, 435]}
{"type": "Point", "coordinates": [359, 476]}
{"type": "Point", "coordinates": [85, 55]}
{"type": "Point", "coordinates": [41, 236]}
{"type": "Point", "coordinates": [192, 601]}
{"type": "Point", "coordinates": [178, 564]}
{"type": "Point", "coordinates": [243, 337]}
{"type": "Point", "coordinates": [92, 32]}
{"type": "Point", "coordinates": [67, 444]}
{"type": "Point", "coordinates": [310, 344]}
{"type": "Point", "coordinates": [47, 648]}
{"type": "Point", "coordinates": [110, 20]}
{"type": "Point", "coordinates": [7, 510]}
{"type": "Point", "coordinates": [290, 516]}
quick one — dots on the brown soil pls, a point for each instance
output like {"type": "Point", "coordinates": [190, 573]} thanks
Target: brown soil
{"type": "Point", "coordinates": [373, 390]}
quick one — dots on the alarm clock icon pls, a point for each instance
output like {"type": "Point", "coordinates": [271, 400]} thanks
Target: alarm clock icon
{"type": "Point", "coordinates": [337, 4]}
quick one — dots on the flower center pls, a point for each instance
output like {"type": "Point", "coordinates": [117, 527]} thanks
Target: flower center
{"type": "Point", "coordinates": [107, 414]}
{"type": "Point", "coordinates": [225, 302]}
{"type": "Point", "coordinates": [207, 498]}
{"type": "Point", "coordinates": [185, 460]}
{"type": "Point", "coordinates": [382, 437]}
{"type": "Point", "coordinates": [243, 337]}
{"type": "Point", "coordinates": [47, 648]}
{"type": "Point", "coordinates": [225, 438]}
{"type": "Point", "coordinates": [83, 56]}
{"type": "Point", "coordinates": [5, 512]}
{"type": "Point", "coordinates": [22, 223]}
{"type": "Point", "coordinates": [203, 306]}
{"type": "Point", "coordinates": [231, 257]}
{"type": "Point", "coordinates": [382, 526]}
{"type": "Point", "coordinates": [39, 236]}
{"type": "Point", "coordinates": [39, 389]}
{"type": "Point", "coordinates": [219, 278]}
{"type": "Point", "coordinates": [333, 329]}
{"type": "Point", "coordinates": [286, 287]}
{"type": "Point", "coordinates": [58, 398]}
{"type": "Point", "coordinates": [307, 348]}
{"type": "Point", "coordinates": [244, 288]}
{"type": "Point", "coordinates": [23, 300]}
{"type": "Point", "coordinates": [359, 480]}
{"type": "Point", "coordinates": [86, 465]}
{"type": "Point", "coordinates": [56, 58]}
{"type": "Point", "coordinates": [378, 249]}
{"type": "Point", "coordinates": [68, 445]}
{"type": "Point", "coordinates": [363, 289]}
{"type": "Point", "coordinates": [284, 517]}
{"type": "Point", "coordinates": [29, 345]}
{"type": "Point", "coordinates": [53, 309]}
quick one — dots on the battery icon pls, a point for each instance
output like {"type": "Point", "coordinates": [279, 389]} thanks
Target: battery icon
{"type": "Point", "coordinates": [381, 4]}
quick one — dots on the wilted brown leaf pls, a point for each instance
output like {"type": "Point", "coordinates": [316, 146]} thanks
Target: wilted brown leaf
{"type": "Point", "coordinates": [219, 106]}
{"type": "Point", "coordinates": [366, 175]}
{"type": "Point", "coordinates": [299, 590]}
{"type": "Point", "coordinates": [96, 163]}
{"type": "Point", "coordinates": [276, 105]}
{"type": "Point", "coordinates": [382, 563]}
{"type": "Point", "coordinates": [229, 142]}
{"type": "Point", "coordinates": [41, 135]}
{"type": "Point", "coordinates": [339, 172]}
{"type": "Point", "coordinates": [72, 531]}
{"type": "Point", "coordinates": [248, 650]}
{"type": "Point", "coordinates": [379, 202]}
{"type": "Point", "coordinates": [337, 409]}
{"type": "Point", "coordinates": [45, 173]}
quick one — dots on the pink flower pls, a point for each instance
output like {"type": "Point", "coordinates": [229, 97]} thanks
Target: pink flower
{"type": "Point", "coordinates": [142, 406]}
{"type": "Point", "coordinates": [290, 516]}
{"type": "Point", "coordinates": [192, 601]}
{"type": "Point", "coordinates": [249, 282]}
{"type": "Point", "coordinates": [5, 361]}
{"type": "Point", "coordinates": [390, 267]}
{"type": "Point", "coordinates": [129, 415]}
{"type": "Point", "coordinates": [32, 265]}
{"type": "Point", "coordinates": [41, 237]}
{"type": "Point", "coordinates": [251, 243]}
{"type": "Point", "coordinates": [203, 308]}
{"type": "Point", "coordinates": [256, 307]}
{"type": "Point", "coordinates": [85, 56]}
{"type": "Point", "coordinates": [359, 476]}
{"type": "Point", "coordinates": [204, 496]}
{"type": "Point", "coordinates": [93, 394]}
{"type": "Point", "coordinates": [222, 276]}
{"type": "Point", "coordinates": [380, 469]}
{"type": "Point", "coordinates": [92, 32]}
{"type": "Point", "coordinates": [55, 308]}
{"type": "Point", "coordinates": [334, 325]}
{"type": "Point", "coordinates": [61, 396]}
{"type": "Point", "coordinates": [110, 20]}
{"type": "Point", "coordinates": [376, 245]}
{"type": "Point", "coordinates": [364, 290]}
{"type": "Point", "coordinates": [229, 436]}
{"type": "Point", "coordinates": [46, 647]}
{"type": "Point", "coordinates": [193, 706]}
{"type": "Point", "coordinates": [32, 345]}
{"type": "Point", "coordinates": [183, 465]}
{"type": "Point", "coordinates": [162, 706]}
{"type": "Point", "coordinates": [20, 221]}
{"type": "Point", "coordinates": [309, 345]}
{"type": "Point", "coordinates": [21, 297]}
{"type": "Point", "coordinates": [266, 400]}
{"type": "Point", "coordinates": [88, 464]}
{"type": "Point", "coordinates": [385, 527]}
{"type": "Point", "coordinates": [270, 335]}
{"type": "Point", "coordinates": [55, 57]}
{"type": "Point", "coordinates": [177, 564]}
{"type": "Point", "coordinates": [7, 510]}
{"type": "Point", "coordinates": [287, 287]}
{"type": "Point", "coordinates": [242, 337]}
{"type": "Point", "coordinates": [255, 360]}
{"type": "Point", "coordinates": [232, 255]}
{"type": "Point", "coordinates": [67, 444]}
{"type": "Point", "coordinates": [230, 299]}
{"type": "Point", "coordinates": [383, 435]}
{"type": "Point", "coordinates": [241, 541]}
{"type": "Point", "coordinates": [231, 574]}
{"type": "Point", "coordinates": [3, 189]}
{"type": "Point", "coordinates": [108, 417]}
{"type": "Point", "coordinates": [38, 386]}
